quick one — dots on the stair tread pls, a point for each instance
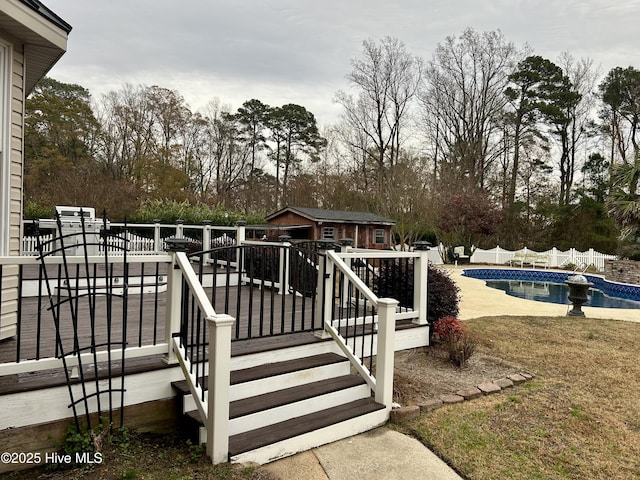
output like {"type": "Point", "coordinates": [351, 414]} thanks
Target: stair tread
{"type": "Point", "coordinates": [254, 439]}
{"type": "Point", "coordinates": [287, 366]}
{"type": "Point", "coordinates": [272, 369]}
{"type": "Point", "coordinates": [277, 342]}
{"type": "Point", "coordinates": [289, 395]}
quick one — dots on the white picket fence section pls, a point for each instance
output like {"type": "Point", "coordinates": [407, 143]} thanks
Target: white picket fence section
{"type": "Point", "coordinates": [133, 243]}
{"type": "Point", "coordinates": [30, 244]}
{"type": "Point", "coordinates": [555, 258]}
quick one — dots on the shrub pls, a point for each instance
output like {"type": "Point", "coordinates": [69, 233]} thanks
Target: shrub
{"type": "Point", "coordinates": [459, 345]}
{"type": "Point", "coordinates": [35, 211]}
{"type": "Point", "coordinates": [168, 211]}
{"type": "Point", "coordinates": [443, 295]}
{"type": "Point", "coordinates": [448, 327]}
{"type": "Point", "coordinates": [460, 348]}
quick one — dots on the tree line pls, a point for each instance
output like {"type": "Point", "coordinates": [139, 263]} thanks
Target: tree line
{"type": "Point", "coordinates": [482, 143]}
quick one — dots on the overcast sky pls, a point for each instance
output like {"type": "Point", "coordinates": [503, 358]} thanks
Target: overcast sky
{"type": "Point", "coordinates": [299, 51]}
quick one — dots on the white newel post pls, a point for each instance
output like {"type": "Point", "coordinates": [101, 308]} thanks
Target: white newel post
{"type": "Point", "coordinates": [346, 245]}
{"type": "Point", "coordinates": [385, 351]}
{"type": "Point", "coordinates": [206, 240]}
{"type": "Point", "coordinates": [241, 236]}
{"type": "Point", "coordinates": [420, 269]}
{"type": "Point", "coordinates": [157, 240]}
{"type": "Point", "coordinates": [179, 228]}
{"type": "Point", "coordinates": [241, 232]}
{"type": "Point", "coordinates": [284, 264]}
{"type": "Point", "coordinates": [218, 387]}
{"type": "Point", "coordinates": [175, 246]}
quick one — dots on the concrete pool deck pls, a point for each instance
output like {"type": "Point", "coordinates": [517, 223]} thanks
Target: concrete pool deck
{"type": "Point", "coordinates": [478, 300]}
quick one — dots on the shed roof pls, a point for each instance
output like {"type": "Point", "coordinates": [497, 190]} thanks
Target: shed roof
{"type": "Point", "coordinates": [340, 216]}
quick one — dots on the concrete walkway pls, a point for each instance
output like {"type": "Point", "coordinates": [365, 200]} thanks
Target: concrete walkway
{"type": "Point", "coordinates": [384, 453]}
{"type": "Point", "coordinates": [380, 453]}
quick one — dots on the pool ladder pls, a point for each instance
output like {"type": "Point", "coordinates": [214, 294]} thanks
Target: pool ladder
{"type": "Point", "coordinates": [581, 268]}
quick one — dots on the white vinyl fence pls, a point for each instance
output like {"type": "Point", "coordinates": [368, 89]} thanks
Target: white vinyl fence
{"type": "Point", "coordinates": [554, 258]}
{"type": "Point", "coordinates": [30, 244]}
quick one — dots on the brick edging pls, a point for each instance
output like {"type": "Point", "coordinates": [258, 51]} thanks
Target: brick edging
{"type": "Point", "coordinates": [486, 388]}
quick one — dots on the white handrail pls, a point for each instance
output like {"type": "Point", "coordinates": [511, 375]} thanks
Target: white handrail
{"type": "Point", "coordinates": [194, 284]}
{"type": "Point", "coordinates": [382, 384]}
{"type": "Point", "coordinates": [353, 278]}
{"type": "Point", "coordinates": [214, 409]}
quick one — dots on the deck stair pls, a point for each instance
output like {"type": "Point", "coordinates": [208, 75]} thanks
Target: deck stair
{"type": "Point", "coordinates": [289, 405]}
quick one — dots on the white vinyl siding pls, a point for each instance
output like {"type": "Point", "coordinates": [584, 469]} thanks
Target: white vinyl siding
{"type": "Point", "coordinates": [17, 153]}
{"type": "Point", "coordinates": [11, 156]}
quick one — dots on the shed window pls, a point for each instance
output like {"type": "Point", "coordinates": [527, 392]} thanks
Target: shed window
{"type": "Point", "coordinates": [328, 233]}
{"type": "Point", "coordinates": [378, 235]}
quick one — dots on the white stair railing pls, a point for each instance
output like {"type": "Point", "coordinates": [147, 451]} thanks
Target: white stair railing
{"type": "Point", "coordinates": [382, 383]}
{"type": "Point", "coordinates": [213, 406]}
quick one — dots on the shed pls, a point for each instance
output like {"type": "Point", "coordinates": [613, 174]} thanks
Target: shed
{"type": "Point", "coordinates": [367, 230]}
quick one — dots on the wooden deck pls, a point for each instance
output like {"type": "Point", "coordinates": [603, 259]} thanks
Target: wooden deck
{"type": "Point", "coordinates": [258, 313]}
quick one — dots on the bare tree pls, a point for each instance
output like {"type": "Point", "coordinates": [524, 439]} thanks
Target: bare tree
{"type": "Point", "coordinates": [128, 133]}
{"type": "Point", "coordinates": [386, 80]}
{"type": "Point", "coordinates": [620, 93]}
{"type": "Point", "coordinates": [463, 102]}
{"type": "Point", "coordinates": [583, 77]}
{"type": "Point", "coordinates": [229, 158]}
{"type": "Point", "coordinates": [170, 112]}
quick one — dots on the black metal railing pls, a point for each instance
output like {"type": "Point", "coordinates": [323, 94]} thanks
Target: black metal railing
{"type": "Point", "coordinates": [388, 277]}
{"type": "Point", "coordinates": [194, 337]}
{"type": "Point", "coordinates": [145, 309]}
{"type": "Point", "coordinates": [270, 289]}
{"type": "Point", "coordinates": [354, 316]}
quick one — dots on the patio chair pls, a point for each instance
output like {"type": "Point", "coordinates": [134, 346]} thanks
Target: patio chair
{"type": "Point", "coordinates": [459, 256]}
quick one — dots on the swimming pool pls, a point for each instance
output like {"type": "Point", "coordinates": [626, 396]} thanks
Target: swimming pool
{"type": "Point", "coordinates": [547, 286]}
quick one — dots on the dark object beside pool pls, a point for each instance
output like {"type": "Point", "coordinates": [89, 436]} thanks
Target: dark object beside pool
{"type": "Point", "coordinates": [578, 288]}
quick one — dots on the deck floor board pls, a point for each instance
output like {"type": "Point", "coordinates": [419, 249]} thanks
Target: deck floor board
{"type": "Point", "coordinates": [145, 321]}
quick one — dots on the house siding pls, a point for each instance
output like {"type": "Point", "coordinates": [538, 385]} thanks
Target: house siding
{"type": "Point", "coordinates": [8, 320]}
{"type": "Point", "coordinates": [17, 151]}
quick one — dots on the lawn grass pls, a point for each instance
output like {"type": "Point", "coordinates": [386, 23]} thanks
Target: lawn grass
{"type": "Point", "coordinates": [578, 419]}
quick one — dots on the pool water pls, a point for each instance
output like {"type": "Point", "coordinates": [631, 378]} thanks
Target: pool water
{"type": "Point", "coordinates": [557, 293]}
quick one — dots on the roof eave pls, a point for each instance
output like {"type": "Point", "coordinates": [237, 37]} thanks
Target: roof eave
{"type": "Point", "coordinates": [388, 223]}
{"type": "Point", "coordinates": [42, 32]}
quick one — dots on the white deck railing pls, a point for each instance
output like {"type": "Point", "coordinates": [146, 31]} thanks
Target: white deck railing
{"type": "Point", "coordinates": [151, 237]}
{"type": "Point", "coordinates": [382, 383]}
